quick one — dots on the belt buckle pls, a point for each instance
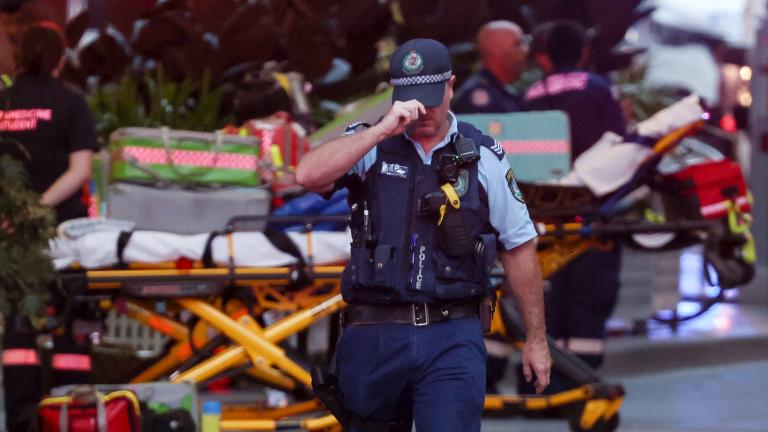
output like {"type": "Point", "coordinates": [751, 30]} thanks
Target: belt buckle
{"type": "Point", "coordinates": [420, 314]}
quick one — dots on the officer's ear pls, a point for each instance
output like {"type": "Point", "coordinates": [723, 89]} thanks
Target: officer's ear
{"type": "Point", "coordinates": [544, 62]}
{"type": "Point", "coordinates": [449, 87]}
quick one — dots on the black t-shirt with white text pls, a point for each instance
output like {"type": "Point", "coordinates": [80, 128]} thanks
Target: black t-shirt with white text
{"type": "Point", "coordinates": [51, 120]}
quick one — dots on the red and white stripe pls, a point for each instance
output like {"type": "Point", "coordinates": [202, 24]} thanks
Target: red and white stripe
{"type": "Point", "coordinates": [71, 362]}
{"type": "Point", "coordinates": [20, 357]}
{"type": "Point", "coordinates": [719, 209]}
{"type": "Point", "coordinates": [535, 146]}
{"type": "Point", "coordinates": [192, 158]}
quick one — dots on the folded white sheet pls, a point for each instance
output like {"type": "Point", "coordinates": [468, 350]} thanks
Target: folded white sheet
{"type": "Point", "coordinates": [251, 249]}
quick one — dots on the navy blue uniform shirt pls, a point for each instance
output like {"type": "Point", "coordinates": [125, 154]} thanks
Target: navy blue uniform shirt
{"type": "Point", "coordinates": [483, 93]}
{"type": "Point", "coordinates": [588, 100]}
{"type": "Point", "coordinates": [507, 212]}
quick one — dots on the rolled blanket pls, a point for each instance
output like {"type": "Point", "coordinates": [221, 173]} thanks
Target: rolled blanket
{"type": "Point", "coordinates": [612, 161]}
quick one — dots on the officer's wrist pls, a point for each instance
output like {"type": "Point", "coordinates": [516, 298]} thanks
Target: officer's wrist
{"type": "Point", "coordinates": [379, 133]}
{"type": "Point", "coordinates": [536, 339]}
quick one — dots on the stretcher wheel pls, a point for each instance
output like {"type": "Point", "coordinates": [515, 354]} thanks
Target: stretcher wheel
{"type": "Point", "coordinates": [601, 425]}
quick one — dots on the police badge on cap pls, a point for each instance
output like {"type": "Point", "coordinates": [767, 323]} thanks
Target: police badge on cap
{"type": "Point", "coordinates": [419, 69]}
{"type": "Point", "coordinates": [413, 63]}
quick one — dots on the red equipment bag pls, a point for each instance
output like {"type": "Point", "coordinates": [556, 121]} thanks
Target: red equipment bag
{"type": "Point", "coordinates": [87, 410]}
{"type": "Point", "coordinates": [288, 137]}
{"type": "Point", "coordinates": [713, 185]}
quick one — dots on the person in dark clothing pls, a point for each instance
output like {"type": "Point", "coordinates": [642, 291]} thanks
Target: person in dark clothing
{"type": "Point", "coordinates": [583, 293]}
{"type": "Point", "coordinates": [586, 97]}
{"type": "Point", "coordinates": [53, 123]}
{"type": "Point", "coordinates": [502, 49]}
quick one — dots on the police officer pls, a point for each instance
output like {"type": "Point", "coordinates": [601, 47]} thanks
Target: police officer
{"type": "Point", "coordinates": [432, 200]}
{"type": "Point", "coordinates": [583, 294]}
{"type": "Point", "coordinates": [503, 51]}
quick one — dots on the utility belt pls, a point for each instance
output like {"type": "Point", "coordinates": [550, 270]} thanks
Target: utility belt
{"type": "Point", "coordinates": [417, 314]}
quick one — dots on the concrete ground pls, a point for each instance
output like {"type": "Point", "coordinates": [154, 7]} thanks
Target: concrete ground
{"type": "Point", "coordinates": [731, 398]}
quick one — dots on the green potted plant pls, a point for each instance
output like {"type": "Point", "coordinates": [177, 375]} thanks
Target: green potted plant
{"type": "Point", "coordinates": [26, 271]}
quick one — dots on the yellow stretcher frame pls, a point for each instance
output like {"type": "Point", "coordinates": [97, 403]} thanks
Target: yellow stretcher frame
{"type": "Point", "coordinates": [251, 343]}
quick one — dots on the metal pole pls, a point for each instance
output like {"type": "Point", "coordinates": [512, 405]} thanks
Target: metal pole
{"type": "Point", "coordinates": [758, 178]}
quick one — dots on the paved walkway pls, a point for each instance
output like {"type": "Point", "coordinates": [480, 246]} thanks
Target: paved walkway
{"type": "Point", "coordinates": [732, 398]}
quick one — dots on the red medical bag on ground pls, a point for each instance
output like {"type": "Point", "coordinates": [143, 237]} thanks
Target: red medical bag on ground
{"type": "Point", "coordinates": [87, 410]}
{"type": "Point", "coordinates": [711, 185]}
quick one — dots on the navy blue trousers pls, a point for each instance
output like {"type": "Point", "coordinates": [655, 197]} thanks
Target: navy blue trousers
{"type": "Point", "coordinates": [434, 374]}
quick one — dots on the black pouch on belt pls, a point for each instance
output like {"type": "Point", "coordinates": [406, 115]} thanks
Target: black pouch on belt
{"type": "Point", "coordinates": [453, 235]}
{"type": "Point", "coordinates": [485, 259]}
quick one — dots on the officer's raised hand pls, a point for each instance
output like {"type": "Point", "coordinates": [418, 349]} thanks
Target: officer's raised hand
{"type": "Point", "coordinates": [400, 116]}
{"type": "Point", "coordinates": [319, 168]}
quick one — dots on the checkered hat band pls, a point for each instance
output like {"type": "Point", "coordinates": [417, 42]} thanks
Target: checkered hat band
{"type": "Point", "coordinates": [421, 79]}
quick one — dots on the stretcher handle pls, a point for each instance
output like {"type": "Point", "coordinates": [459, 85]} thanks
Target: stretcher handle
{"type": "Point", "coordinates": [216, 146]}
{"type": "Point", "coordinates": [598, 229]}
{"type": "Point", "coordinates": [232, 223]}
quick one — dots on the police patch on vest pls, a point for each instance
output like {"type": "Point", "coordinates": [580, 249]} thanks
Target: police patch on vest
{"type": "Point", "coordinates": [462, 181]}
{"type": "Point", "coordinates": [512, 183]}
{"type": "Point", "coordinates": [393, 169]}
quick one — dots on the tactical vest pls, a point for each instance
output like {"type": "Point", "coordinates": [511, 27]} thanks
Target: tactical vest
{"type": "Point", "coordinates": [403, 262]}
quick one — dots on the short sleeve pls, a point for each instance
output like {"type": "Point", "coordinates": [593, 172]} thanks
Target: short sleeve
{"type": "Point", "coordinates": [363, 165]}
{"type": "Point", "coordinates": [81, 133]}
{"type": "Point", "coordinates": [508, 212]}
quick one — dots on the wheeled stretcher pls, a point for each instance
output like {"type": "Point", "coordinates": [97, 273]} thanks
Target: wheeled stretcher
{"type": "Point", "coordinates": [229, 301]}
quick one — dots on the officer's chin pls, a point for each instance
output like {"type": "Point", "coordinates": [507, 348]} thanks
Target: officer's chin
{"type": "Point", "coordinates": [423, 128]}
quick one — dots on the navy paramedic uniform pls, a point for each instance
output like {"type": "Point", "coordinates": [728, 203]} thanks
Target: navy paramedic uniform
{"type": "Point", "coordinates": [483, 93]}
{"type": "Point", "coordinates": [433, 373]}
{"type": "Point", "coordinates": [583, 293]}
{"type": "Point", "coordinates": [588, 100]}
{"type": "Point", "coordinates": [51, 120]}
